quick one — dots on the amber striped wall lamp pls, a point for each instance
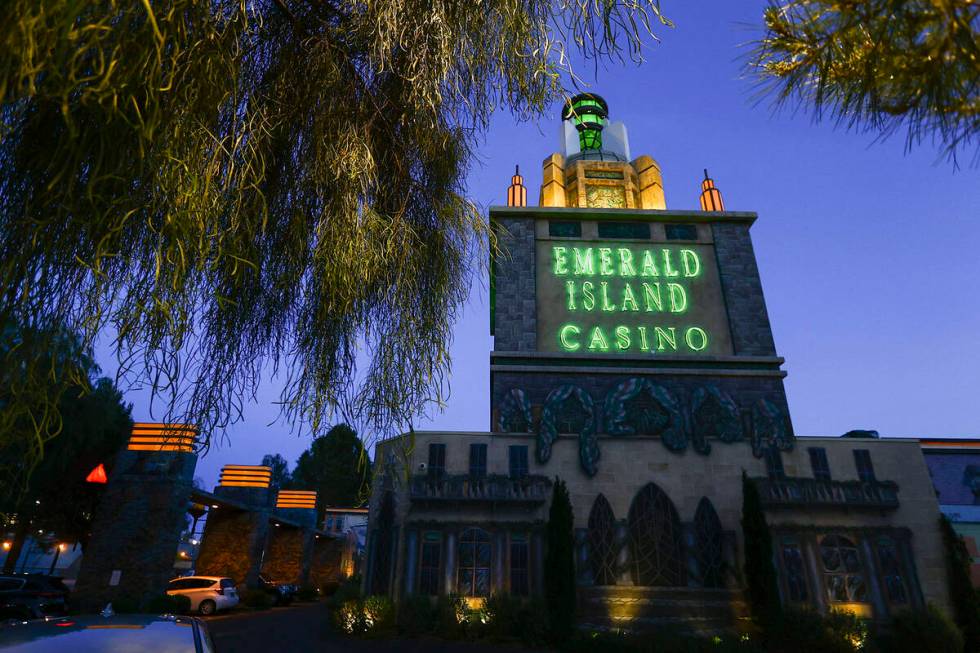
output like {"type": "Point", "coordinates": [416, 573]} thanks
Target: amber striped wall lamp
{"type": "Point", "coordinates": [296, 499]}
{"type": "Point", "coordinates": [151, 436]}
{"type": "Point", "coordinates": [259, 476]}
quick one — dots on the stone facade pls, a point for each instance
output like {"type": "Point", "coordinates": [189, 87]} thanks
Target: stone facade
{"type": "Point", "coordinates": [136, 529]}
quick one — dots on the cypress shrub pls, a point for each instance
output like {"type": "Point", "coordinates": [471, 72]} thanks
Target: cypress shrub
{"type": "Point", "coordinates": [966, 605]}
{"type": "Point", "coordinates": [760, 573]}
{"type": "Point", "coordinates": [922, 631]}
{"type": "Point", "coordinates": [559, 564]}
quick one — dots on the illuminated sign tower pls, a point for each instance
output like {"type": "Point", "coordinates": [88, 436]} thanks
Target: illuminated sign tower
{"type": "Point", "coordinates": [614, 316]}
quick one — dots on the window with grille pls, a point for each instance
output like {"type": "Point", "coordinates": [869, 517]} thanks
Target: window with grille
{"type": "Point", "coordinates": [624, 230]}
{"type": "Point", "coordinates": [891, 570]}
{"type": "Point", "coordinates": [430, 568]}
{"type": "Point", "coordinates": [774, 463]}
{"type": "Point", "coordinates": [866, 471]}
{"type": "Point", "coordinates": [656, 540]}
{"type": "Point", "coordinates": [843, 570]}
{"type": "Point", "coordinates": [518, 461]}
{"type": "Point", "coordinates": [519, 555]}
{"type": "Point", "coordinates": [478, 460]}
{"type": "Point", "coordinates": [473, 566]}
{"type": "Point", "coordinates": [709, 542]}
{"type": "Point", "coordinates": [437, 460]}
{"type": "Point", "coordinates": [818, 462]}
{"type": "Point", "coordinates": [603, 551]}
{"type": "Point", "coordinates": [794, 572]}
{"type": "Point", "coordinates": [681, 232]}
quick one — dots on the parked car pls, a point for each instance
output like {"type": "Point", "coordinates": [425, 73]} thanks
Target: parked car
{"type": "Point", "coordinates": [29, 596]}
{"type": "Point", "coordinates": [208, 594]}
{"type": "Point", "coordinates": [282, 593]}
{"type": "Point", "coordinates": [98, 634]}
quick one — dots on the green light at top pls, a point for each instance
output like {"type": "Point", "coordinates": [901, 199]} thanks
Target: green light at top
{"type": "Point", "coordinates": [587, 111]}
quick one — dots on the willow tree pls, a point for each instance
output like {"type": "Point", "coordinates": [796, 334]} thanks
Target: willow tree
{"type": "Point", "coordinates": [234, 188]}
{"type": "Point", "coordinates": [879, 65]}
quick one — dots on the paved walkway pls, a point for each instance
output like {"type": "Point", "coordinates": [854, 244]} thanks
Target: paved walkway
{"type": "Point", "coordinates": [306, 627]}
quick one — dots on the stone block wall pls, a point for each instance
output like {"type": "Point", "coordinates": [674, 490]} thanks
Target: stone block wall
{"type": "Point", "coordinates": [515, 322]}
{"type": "Point", "coordinates": [325, 566]}
{"type": "Point", "coordinates": [233, 545]}
{"type": "Point", "coordinates": [285, 556]}
{"type": "Point", "coordinates": [742, 287]}
{"type": "Point", "coordinates": [136, 529]}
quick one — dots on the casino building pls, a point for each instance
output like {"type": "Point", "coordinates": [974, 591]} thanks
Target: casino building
{"type": "Point", "coordinates": [633, 358]}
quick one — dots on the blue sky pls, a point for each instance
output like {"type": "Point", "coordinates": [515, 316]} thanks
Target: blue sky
{"type": "Point", "coordinates": [868, 255]}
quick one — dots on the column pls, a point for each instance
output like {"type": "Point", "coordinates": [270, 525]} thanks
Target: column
{"type": "Point", "coordinates": [450, 579]}
{"type": "Point", "coordinates": [411, 559]}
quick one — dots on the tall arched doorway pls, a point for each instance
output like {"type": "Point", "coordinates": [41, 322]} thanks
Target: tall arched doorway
{"type": "Point", "coordinates": [656, 544]}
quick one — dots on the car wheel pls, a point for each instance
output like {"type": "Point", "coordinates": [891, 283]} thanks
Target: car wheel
{"type": "Point", "coordinates": [207, 607]}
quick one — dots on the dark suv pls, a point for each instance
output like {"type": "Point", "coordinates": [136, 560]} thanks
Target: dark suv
{"type": "Point", "coordinates": [282, 593]}
{"type": "Point", "coordinates": [27, 596]}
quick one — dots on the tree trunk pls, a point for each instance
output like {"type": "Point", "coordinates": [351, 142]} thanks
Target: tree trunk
{"type": "Point", "coordinates": [20, 536]}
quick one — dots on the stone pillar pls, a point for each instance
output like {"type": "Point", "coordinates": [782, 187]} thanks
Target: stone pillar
{"type": "Point", "coordinates": [235, 540]}
{"type": "Point", "coordinates": [499, 561]}
{"type": "Point", "coordinates": [136, 529]}
{"type": "Point", "coordinates": [871, 574]}
{"type": "Point", "coordinates": [450, 584]}
{"type": "Point", "coordinates": [287, 555]}
{"type": "Point", "coordinates": [537, 562]}
{"type": "Point", "coordinates": [411, 559]}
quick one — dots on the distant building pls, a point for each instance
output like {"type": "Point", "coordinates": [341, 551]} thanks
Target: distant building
{"type": "Point", "coordinates": [954, 465]}
{"type": "Point", "coordinates": [633, 358]}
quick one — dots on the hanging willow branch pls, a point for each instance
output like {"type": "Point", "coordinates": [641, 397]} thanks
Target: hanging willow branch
{"type": "Point", "coordinates": [238, 186]}
{"type": "Point", "coordinates": [879, 65]}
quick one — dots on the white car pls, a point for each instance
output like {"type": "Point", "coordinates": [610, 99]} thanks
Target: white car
{"type": "Point", "coordinates": [208, 594]}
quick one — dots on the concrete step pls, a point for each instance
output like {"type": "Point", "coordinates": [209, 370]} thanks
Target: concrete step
{"type": "Point", "coordinates": [644, 608]}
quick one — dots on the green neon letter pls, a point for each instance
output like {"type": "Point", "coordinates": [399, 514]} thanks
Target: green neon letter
{"type": "Point", "coordinates": [668, 335]}
{"type": "Point", "coordinates": [570, 290]}
{"type": "Point", "coordinates": [626, 268]}
{"type": "Point", "coordinates": [651, 296]}
{"type": "Point", "coordinates": [669, 270]}
{"type": "Point", "coordinates": [691, 263]}
{"type": "Point", "coordinates": [697, 338]}
{"type": "Point", "coordinates": [644, 346]}
{"type": "Point", "coordinates": [622, 338]}
{"type": "Point", "coordinates": [605, 262]}
{"type": "Point", "coordinates": [678, 298]}
{"type": "Point", "coordinates": [588, 299]}
{"type": "Point", "coordinates": [598, 340]}
{"type": "Point", "coordinates": [561, 260]}
{"type": "Point", "coordinates": [604, 292]}
{"type": "Point", "coordinates": [565, 337]}
{"type": "Point", "coordinates": [584, 261]}
{"type": "Point", "coordinates": [649, 268]}
{"type": "Point", "coordinates": [629, 301]}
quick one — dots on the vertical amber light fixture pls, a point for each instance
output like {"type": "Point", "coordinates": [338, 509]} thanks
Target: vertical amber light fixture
{"type": "Point", "coordinates": [710, 196]}
{"type": "Point", "coordinates": [516, 192]}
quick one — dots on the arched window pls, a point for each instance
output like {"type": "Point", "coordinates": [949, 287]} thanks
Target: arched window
{"type": "Point", "coordinates": [891, 570]}
{"type": "Point", "coordinates": [709, 540]}
{"type": "Point", "coordinates": [602, 542]}
{"type": "Point", "coordinates": [656, 547]}
{"type": "Point", "coordinates": [473, 567]}
{"type": "Point", "coordinates": [794, 573]}
{"type": "Point", "coordinates": [843, 570]}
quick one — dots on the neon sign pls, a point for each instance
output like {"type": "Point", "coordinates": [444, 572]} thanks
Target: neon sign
{"type": "Point", "coordinates": [621, 297]}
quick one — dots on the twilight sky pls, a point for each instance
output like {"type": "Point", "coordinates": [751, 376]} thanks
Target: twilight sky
{"type": "Point", "coordinates": [867, 254]}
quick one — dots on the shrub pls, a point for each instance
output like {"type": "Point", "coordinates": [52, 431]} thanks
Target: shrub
{"type": "Point", "coordinates": [532, 622]}
{"type": "Point", "coordinates": [307, 593]}
{"type": "Point", "coordinates": [806, 631]}
{"type": "Point", "coordinates": [126, 605]}
{"type": "Point", "coordinates": [922, 631]}
{"type": "Point", "coordinates": [416, 615]}
{"type": "Point", "coordinates": [502, 616]}
{"type": "Point", "coordinates": [258, 599]}
{"type": "Point", "coordinates": [966, 601]}
{"type": "Point", "coordinates": [760, 574]}
{"type": "Point", "coordinates": [167, 604]}
{"type": "Point", "coordinates": [349, 617]}
{"type": "Point", "coordinates": [379, 615]}
{"type": "Point", "coordinates": [451, 617]}
{"type": "Point", "coordinates": [559, 564]}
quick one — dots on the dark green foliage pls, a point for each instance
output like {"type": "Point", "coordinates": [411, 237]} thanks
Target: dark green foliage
{"type": "Point", "coordinates": [337, 466]}
{"type": "Point", "coordinates": [922, 631]}
{"type": "Point", "coordinates": [258, 599]}
{"type": "Point", "coordinates": [451, 613]}
{"type": "Point", "coordinates": [806, 631]}
{"type": "Point", "coordinates": [663, 640]}
{"type": "Point", "coordinates": [559, 564]}
{"type": "Point", "coordinates": [281, 478]}
{"type": "Point", "coordinates": [167, 604]}
{"type": "Point", "coordinates": [416, 615]}
{"type": "Point", "coordinates": [379, 616]}
{"type": "Point", "coordinates": [966, 603]}
{"type": "Point", "coordinates": [126, 605]}
{"type": "Point", "coordinates": [760, 573]}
